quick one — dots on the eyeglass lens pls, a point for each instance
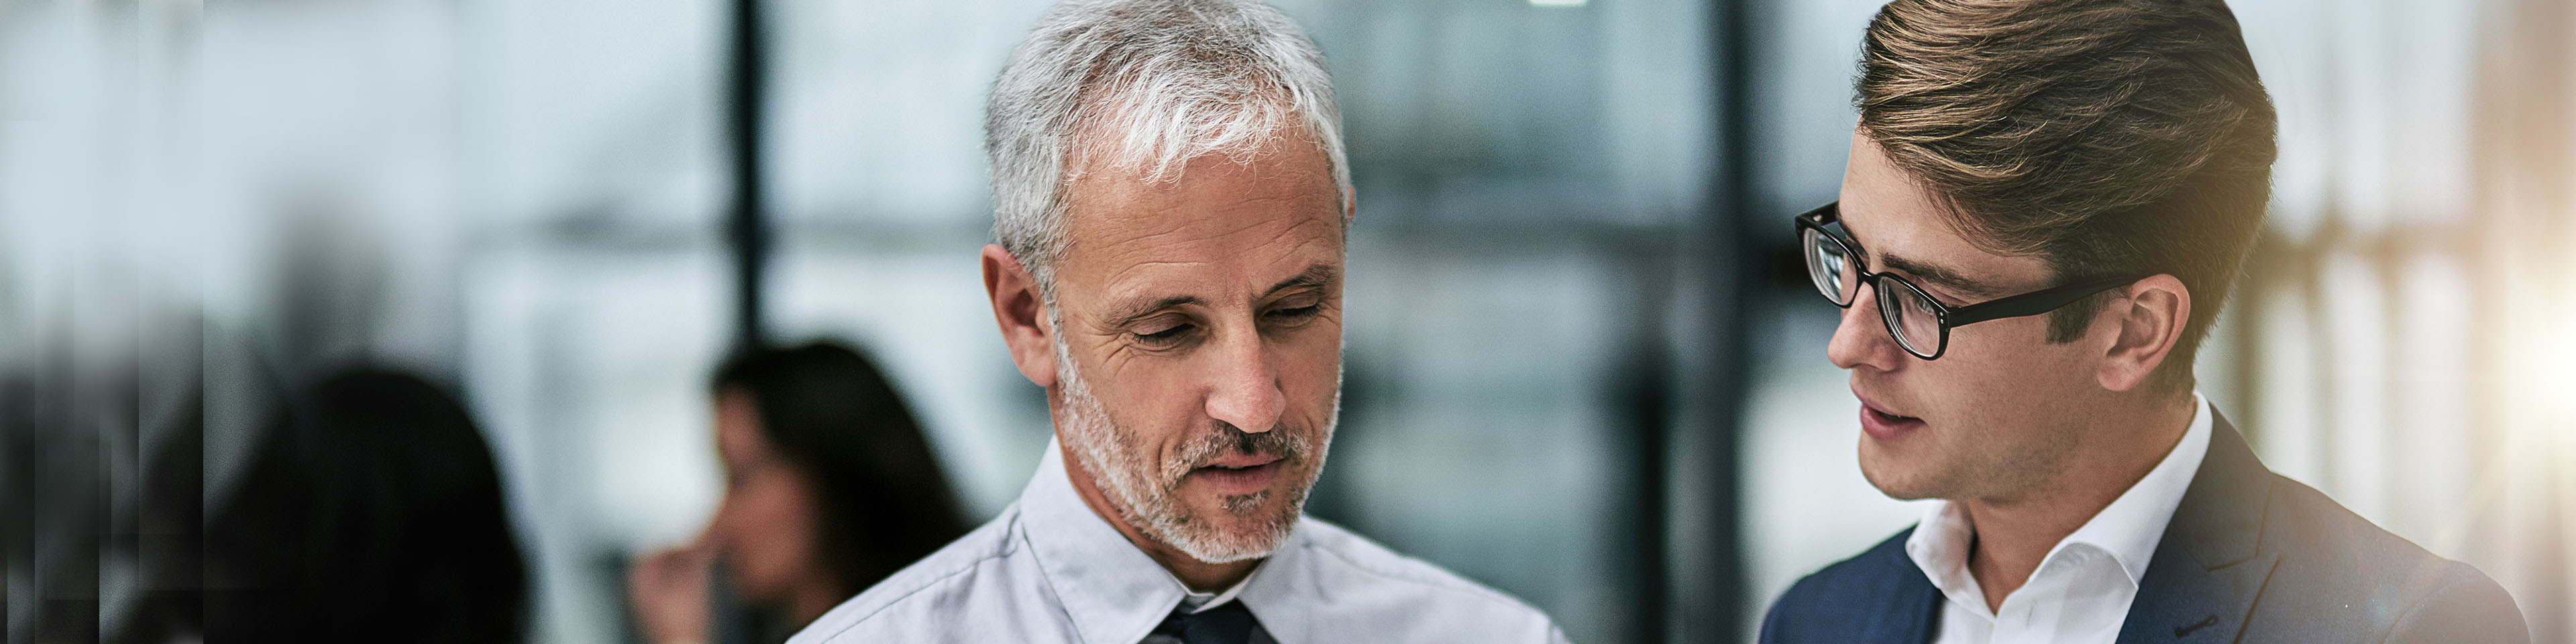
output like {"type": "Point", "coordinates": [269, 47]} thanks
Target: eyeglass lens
{"type": "Point", "coordinates": [1910, 317]}
{"type": "Point", "coordinates": [1908, 312]}
{"type": "Point", "coordinates": [1828, 265]}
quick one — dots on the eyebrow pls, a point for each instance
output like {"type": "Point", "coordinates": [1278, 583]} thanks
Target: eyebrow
{"type": "Point", "coordinates": [1129, 313]}
{"type": "Point", "coordinates": [1937, 275]}
{"type": "Point", "coordinates": [1314, 276]}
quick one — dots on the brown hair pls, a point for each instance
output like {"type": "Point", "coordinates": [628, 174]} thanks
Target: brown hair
{"type": "Point", "coordinates": [2106, 137]}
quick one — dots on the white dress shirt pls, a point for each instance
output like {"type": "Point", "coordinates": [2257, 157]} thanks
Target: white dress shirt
{"type": "Point", "coordinates": [2082, 589]}
{"type": "Point", "coordinates": [1050, 570]}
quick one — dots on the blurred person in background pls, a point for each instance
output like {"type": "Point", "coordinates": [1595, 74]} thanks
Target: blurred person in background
{"type": "Point", "coordinates": [372, 512]}
{"type": "Point", "coordinates": [2046, 204]}
{"type": "Point", "coordinates": [1171, 200]}
{"type": "Point", "coordinates": [830, 486]}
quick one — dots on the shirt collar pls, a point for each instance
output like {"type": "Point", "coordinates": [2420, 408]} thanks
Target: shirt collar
{"type": "Point", "coordinates": [1195, 602]}
{"type": "Point", "coordinates": [1109, 587]}
{"type": "Point", "coordinates": [1939, 546]}
{"type": "Point", "coordinates": [2128, 529]}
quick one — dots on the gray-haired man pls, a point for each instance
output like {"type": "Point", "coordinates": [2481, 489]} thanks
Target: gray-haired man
{"type": "Point", "coordinates": [1171, 198]}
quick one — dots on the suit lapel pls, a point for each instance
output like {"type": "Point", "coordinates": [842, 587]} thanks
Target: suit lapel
{"type": "Point", "coordinates": [2209, 567]}
{"type": "Point", "coordinates": [1927, 611]}
{"type": "Point", "coordinates": [1917, 604]}
{"type": "Point", "coordinates": [1894, 605]}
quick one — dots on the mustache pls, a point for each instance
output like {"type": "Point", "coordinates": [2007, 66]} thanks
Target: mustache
{"type": "Point", "coordinates": [1281, 442]}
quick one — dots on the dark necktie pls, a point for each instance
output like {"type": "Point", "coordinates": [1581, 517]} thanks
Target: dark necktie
{"type": "Point", "coordinates": [1229, 623]}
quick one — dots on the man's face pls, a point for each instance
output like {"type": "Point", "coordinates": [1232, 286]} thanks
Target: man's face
{"type": "Point", "coordinates": [1198, 334]}
{"type": "Point", "coordinates": [1997, 416]}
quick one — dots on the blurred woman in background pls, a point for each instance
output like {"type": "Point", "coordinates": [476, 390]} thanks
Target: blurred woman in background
{"type": "Point", "coordinates": [830, 486]}
{"type": "Point", "coordinates": [372, 513]}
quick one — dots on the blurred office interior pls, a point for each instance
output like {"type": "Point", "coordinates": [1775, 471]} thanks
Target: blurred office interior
{"type": "Point", "coordinates": [1582, 364]}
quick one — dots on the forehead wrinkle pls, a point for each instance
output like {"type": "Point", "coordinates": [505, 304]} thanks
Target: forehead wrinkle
{"type": "Point", "coordinates": [1180, 234]}
{"type": "Point", "coordinates": [1158, 221]}
{"type": "Point", "coordinates": [1116, 283]}
{"type": "Point", "coordinates": [1182, 226]}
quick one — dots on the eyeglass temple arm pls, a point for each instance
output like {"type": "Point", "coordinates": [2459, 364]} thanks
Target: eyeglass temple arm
{"type": "Point", "coordinates": [2035, 302]}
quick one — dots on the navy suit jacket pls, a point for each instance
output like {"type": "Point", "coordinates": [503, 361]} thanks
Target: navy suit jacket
{"type": "Point", "coordinates": [2250, 556]}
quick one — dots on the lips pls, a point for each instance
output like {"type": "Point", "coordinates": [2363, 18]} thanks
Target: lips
{"type": "Point", "coordinates": [1881, 424]}
{"type": "Point", "coordinates": [1241, 460]}
{"type": "Point", "coordinates": [1239, 473]}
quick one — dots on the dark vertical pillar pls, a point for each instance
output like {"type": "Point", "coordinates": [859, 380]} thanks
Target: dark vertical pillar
{"type": "Point", "coordinates": [1732, 279]}
{"type": "Point", "coordinates": [1642, 396]}
{"type": "Point", "coordinates": [747, 225]}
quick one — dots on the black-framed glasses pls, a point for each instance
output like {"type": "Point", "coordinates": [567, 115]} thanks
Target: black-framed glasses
{"type": "Point", "coordinates": [1918, 322]}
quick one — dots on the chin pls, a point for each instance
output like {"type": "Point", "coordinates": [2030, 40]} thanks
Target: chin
{"type": "Point", "coordinates": [1224, 529]}
{"type": "Point", "coordinates": [1893, 476]}
{"type": "Point", "coordinates": [1254, 514]}
{"type": "Point", "coordinates": [1241, 541]}
{"type": "Point", "coordinates": [1902, 492]}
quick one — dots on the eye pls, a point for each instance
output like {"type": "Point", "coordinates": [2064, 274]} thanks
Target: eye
{"type": "Point", "coordinates": [1160, 335]}
{"type": "Point", "coordinates": [1296, 306]}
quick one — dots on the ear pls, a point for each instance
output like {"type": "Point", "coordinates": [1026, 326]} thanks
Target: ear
{"type": "Point", "coordinates": [1021, 311]}
{"type": "Point", "coordinates": [2150, 324]}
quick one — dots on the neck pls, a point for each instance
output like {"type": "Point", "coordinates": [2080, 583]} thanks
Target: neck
{"type": "Point", "coordinates": [1199, 576]}
{"type": "Point", "coordinates": [2012, 535]}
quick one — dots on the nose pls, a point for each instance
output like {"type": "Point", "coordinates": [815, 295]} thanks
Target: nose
{"type": "Point", "coordinates": [1246, 392]}
{"type": "Point", "coordinates": [1861, 338]}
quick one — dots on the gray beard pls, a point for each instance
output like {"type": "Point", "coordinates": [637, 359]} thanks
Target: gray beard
{"type": "Point", "coordinates": [1144, 495]}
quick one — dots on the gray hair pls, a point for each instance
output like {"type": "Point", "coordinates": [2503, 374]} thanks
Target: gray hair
{"type": "Point", "coordinates": [1145, 85]}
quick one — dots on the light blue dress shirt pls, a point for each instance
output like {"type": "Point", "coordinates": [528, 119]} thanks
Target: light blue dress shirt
{"type": "Point", "coordinates": [1050, 570]}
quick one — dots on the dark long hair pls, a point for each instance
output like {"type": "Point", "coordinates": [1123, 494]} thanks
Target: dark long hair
{"type": "Point", "coordinates": [829, 412]}
{"type": "Point", "coordinates": [373, 511]}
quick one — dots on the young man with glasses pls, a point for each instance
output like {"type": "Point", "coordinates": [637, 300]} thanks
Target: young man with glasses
{"type": "Point", "coordinates": [2046, 204]}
